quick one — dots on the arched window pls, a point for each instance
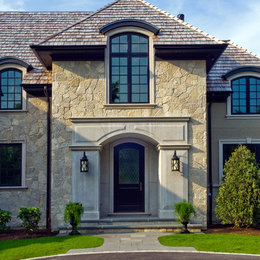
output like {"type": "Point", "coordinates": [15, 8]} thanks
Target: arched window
{"type": "Point", "coordinates": [129, 68]}
{"type": "Point", "coordinates": [10, 89]}
{"type": "Point", "coordinates": [246, 95]}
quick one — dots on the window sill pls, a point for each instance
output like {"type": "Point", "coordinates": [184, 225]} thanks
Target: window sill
{"type": "Point", "coordinates": [248, 116]}
{"type": "Point", "coordinates": [13, 111]}
{"type": "Point", "coordinates": [13, 187]}
{"type": "Point", "coordinates": [129, 106]}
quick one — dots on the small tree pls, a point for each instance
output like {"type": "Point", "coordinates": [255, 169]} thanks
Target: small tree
{"type": "Point", "coordinates": [238, 199]}
{"type": "Point", "coordinates": [5, 217]}
{"type": "Point", "coordinates": [72, 215]}
{"type": "Point", "coordinates": [184, 210]}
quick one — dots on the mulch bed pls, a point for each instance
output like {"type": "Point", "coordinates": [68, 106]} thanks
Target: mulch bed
{"type": "Point", "coordinates": [21, 234]}
{"type": "Point", "coordinates": [228, 229]}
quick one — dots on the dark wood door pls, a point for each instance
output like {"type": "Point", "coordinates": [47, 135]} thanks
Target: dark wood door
{"type": "Point", "coordinates": [129, 178]}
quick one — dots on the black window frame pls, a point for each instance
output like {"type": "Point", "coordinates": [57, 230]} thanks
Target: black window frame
{"type": "Point", "coordinates": [14, 93]}
{"type": "Point", "coordinates": [20, 145]}
{"type": "Point", "coordinates": [129, 54]}
{"type": "Point", "coordinates": [247, 79]}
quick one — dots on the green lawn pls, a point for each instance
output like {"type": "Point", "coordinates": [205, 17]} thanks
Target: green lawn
{"type": "Point", "coordinates": [25, 248]}
{"type": "Point", "coordinates": [215, 242]}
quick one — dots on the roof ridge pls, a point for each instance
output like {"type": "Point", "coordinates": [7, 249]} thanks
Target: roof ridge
{"type": "Point", "coordinates": [89, 16]}
{"type": "Point", "coordinates": [181, 21]}
{"type": "Point", "coordinates": [243, 49]}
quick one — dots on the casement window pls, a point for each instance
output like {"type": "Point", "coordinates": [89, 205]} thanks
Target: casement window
{"type": "Point", "coordinates": [129, 68]}
{"type": "Point", "coordinates": [246, 95]}
{"type": "Point", "coordinates": [11, 164]}
{"type": "Point", "coordinates": [10, 89]}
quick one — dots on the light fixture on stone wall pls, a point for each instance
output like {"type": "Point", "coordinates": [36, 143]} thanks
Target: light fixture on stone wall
{"type": "Point", "coordinates": [84, 163]}
{"type": "Point", "coordinates": [175, 162]}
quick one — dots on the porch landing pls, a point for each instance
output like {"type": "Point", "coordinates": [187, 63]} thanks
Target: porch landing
{"type": "Point", "coordinates": [142, 223]}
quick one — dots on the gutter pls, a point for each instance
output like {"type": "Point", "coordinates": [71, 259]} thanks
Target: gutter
{"type": "Point", "coordinates": [48, 183]}
{"type": "Point", "coordinates": [210, 164]}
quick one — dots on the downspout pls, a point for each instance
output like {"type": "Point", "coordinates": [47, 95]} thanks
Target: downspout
{"type": "Point", "coordinates": [48, 183]}
{"type": "Point", "coordinates": [210, 163]}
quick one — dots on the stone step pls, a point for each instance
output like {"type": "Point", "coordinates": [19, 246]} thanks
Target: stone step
{"type": "Point", "coordinates": [125, 225]}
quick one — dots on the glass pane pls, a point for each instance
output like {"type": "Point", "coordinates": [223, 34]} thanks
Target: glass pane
{"type": "Point", "coordinates": [143, 97]}
{"type": "Point", "coordinates": [123, 70]}
{"type": "Point", "coordinates": [3, 81]}
{"type": "Point", "coordinates": [115, 47]}
{"type": "Point", "coordinates": [115, 70]}
{"type": "Point", "coordinates": [135, 89]}
{"type": "Point", "coordinates": [135, 70]}
{"type": "Point", "coordinates": [123, 98]}
{"type": "Point", "coordinates": [235, 88]}
{"type": "Point", "coordinates": [135, 79]}
{"type": "Point", "coordinates": [144, 88]}
{"type": "Point", "coordinates": [135, 61]}
{"type": "Point", "coordinates": [4, 74]}
{"type": "Point", "coordinates": [123, 48]}
{"type": "Point", "coordinates": [143, 80]}
{"type": "Point", "coordinates": [242, 81]}
{"type": "Point", "coordinates": [252, 109]}
{"type": "Point", "coordinates": [123, 61]}
{"type": "Point", "coordinates": [135, 98]}
{"type": "Point", "coordinates": [143, 48]}
{"type": "Point", "coordinates": [252, 87]}
{"type": "Point", "coordinates": [123, 39]}
{"type": "Point", "coordinates": [123, 80]}
{"type": "Point", "coordinates": [115, 40]}
{"type": "Point", "coordinates": [252, 81]}
{"type": "Point", "coordinates": [243, 88]}
{"type": "Point", "coordinates": [143, 61]}
{"type": "Point", "coordinates": [123, 89]}
{"type": "Point", "coordinates": [115, 61]}
{"type": "Point", "coordinates": [143, 70]}
{"type": "Point", "coordinates": [135, 39]}
{"type": "Point", "coordinates": [11, 73]}
{"type": "Point", "coordinates": [129, 166]}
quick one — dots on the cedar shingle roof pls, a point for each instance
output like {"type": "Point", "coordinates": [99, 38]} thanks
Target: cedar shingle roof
{"type": "Point", "coordinates": [172, 29]}
{"type": "Point", "coordinates": [18, 30]}
{"type": "Point", "coordinates": [233, 57]}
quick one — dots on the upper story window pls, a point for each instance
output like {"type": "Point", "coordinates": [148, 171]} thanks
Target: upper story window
{"type": "Point", "coordinates": [129, 68]}
{"type": "Point", "coordinates": [246, 95]}
{"type": "Point", "coordinates": [10, 89]}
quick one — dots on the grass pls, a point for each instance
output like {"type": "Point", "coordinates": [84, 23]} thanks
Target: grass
{"type": "Point", "coordinates": [26, 248]}
{"type": "Point", "coordinates": [231, 243]}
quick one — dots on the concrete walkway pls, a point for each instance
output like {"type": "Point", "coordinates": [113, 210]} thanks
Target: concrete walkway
{"type": "Point", "coordinates": [127, 242]}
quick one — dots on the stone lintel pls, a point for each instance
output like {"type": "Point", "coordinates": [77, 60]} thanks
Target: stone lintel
{"type": "Point", "coordinates": [173, 147]}
{"type": "Point", "coordinates": [129, 119]}
{"type": "Point", "coordinates": [85, 148]}
{"type": "Point", "coordinates": [129, 106]}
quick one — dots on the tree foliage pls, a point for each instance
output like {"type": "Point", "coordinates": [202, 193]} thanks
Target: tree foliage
{"type": "Point", "coordinates": [30, 218]}
{"type": "Point", "coordinates": [184, 210]}
{"type": "Point", "coordinates": [238, 200]}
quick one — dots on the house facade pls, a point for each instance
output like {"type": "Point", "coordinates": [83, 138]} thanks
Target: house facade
{"type": "Point", "coordinates": [128, 86]}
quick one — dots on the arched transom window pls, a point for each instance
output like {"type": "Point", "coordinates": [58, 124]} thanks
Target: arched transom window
{"type": "Point", "coordinates": [246, 95]}
{"type": "Point", "coordinates": [129, 68]}
{"type": "Point", "coordinates": [10, 89]}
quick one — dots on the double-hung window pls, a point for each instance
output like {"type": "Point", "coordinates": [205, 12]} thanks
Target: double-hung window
{"type": "Point", "coordinates": [246, 95]}
{"type": "Point", "coordinates": [10, 164]}
{"type": "Point", "coordinates": [10, 89]}
{"type": "Point", "coordinates": [129, 68]}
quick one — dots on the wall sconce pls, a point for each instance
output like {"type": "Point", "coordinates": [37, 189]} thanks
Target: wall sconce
{"type": "Point", "coordinates": [175, 162]}
{"type": "Point", "coordinates": [84, 163]}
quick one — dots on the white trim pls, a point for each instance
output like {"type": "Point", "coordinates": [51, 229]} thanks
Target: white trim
{"type": "Point", "coordinates": [247, 140]}
{"type": "Point", "coordinates": [128, 29]}
{"type": "Point", "coordinates": [229, 115]}
{"type": "Point", "coordinates": [24, 94]}
{"type": "Point", "coordinates": [23, 186]}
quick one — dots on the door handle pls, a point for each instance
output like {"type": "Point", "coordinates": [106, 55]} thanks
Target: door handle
{"type": "Point", "coordinates": [141, 186]}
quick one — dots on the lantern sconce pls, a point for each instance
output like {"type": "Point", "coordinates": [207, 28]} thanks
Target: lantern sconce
{"type": "Point", "coordinates": [84, 163]}
{"type": "Point", "coordinates": [175, 162]}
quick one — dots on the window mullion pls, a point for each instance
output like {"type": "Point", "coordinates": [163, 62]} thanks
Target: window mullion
{"type": "Point", "coordinates": [247, 96]}
{"type": "Point", "coordinates": [129, 71]}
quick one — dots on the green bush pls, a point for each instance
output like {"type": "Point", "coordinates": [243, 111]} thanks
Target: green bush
{"type": "Point", "coordinates": [238, 199]}
{"type": "Point", "coordinates": [184, 210]}
{"type": "Point", "coordinates": [30, 218]}
{"type": "Point", "coordinates": [72, 215]}
{"type": "Point", "coordinates": [5, 217]}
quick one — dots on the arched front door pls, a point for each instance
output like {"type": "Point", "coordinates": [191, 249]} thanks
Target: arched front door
{"type": "Point", "coordinates": [129, 178]}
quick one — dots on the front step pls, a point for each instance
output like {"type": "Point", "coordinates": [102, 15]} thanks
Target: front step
{"type": "Point", "coordinates": [130, 224]}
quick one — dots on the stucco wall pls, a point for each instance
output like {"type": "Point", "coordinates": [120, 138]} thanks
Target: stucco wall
{"type": "Point", "coordinates": [28, 127]}
{"type": "Point", "coordinates": [79, 91]}
{"type": "Point", "coordinates": [224, 128]}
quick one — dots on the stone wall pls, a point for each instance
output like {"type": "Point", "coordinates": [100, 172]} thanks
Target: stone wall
{"type": "Point", "coordinates": [28, 127]}
{"type": "Point", "coordinates": [79, 91]}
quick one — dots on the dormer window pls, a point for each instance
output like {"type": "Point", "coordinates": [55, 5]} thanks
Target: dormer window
{"type": "Point", "coordinates": [129, 68]}
{"type": "Point", "coordinates": [246, 95]}
{"type": "Point", "coordinates": [10, 89]}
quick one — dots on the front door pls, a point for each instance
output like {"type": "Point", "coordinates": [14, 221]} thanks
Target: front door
{"type": "Point", "coordinates": [129, 178]}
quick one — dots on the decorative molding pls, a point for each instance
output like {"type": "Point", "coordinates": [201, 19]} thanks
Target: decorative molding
{"type": "Point", "coordinates": [85, 148]}
{"type": "Point", "coordinates": [14, 60]}
{"type": "Point", "coordinates": [241, 70]}
{"type": "Point", "coordinates": [129, 22]}
{"type": "Point", "coordinates": [14, 188]}
{"type": "Point", "coordinates": [244, 117]}
{"type": "Point", "coordinates": [13, 111]}
{"type": "Point", "coordinates": [129, 119]}
{"type": "Point", "coordinates": [129, 106]}
{"type": "Point", "coordinates": [173, 147]}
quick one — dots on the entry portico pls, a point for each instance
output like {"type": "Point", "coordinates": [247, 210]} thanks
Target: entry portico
{"type": "Point", "coordinates": [141, 148]}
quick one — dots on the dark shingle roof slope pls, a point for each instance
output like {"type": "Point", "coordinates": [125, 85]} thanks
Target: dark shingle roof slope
{"type": "Point", "coordinates": [172, 29]}
{"type": "Point", "coordinates": [18, 30]}
{"type": "Point", "coordinates": [232, 58]}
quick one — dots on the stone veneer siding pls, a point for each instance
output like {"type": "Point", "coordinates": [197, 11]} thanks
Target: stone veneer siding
{"type": "Point", "coordinates": [79, 89]}
{"type": "Point", "coordinates": [30, 127]}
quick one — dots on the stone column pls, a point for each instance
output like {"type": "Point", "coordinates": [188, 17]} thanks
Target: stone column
{"type": "Point", "coordinates": [173, 185]}
{"type": "Point", "coordinates": [86, 186]}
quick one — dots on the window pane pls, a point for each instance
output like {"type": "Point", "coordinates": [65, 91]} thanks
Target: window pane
{"type": "Point", "coordinates": [123, 39]}
{"type": "Point", "coordinates": [123, 98]}
{"type": "Point", "coordinates": [115, 70]}
{"type": "Point", "coordinates": [123, 70]}
{"type": "Point", "coordinates": [123, 61]}
{"type": "Point", "coordinates": [123, 47]}
{"type": "Point", "coordinates": [123, 89]}
{"type": "Point", "coordinates": [143, 98]}
{"type": "Point", "coordinates": [135, 98]}
{"type": "Point", "coordinates": [115, 40]}
{"type": "Point", "coordinates": [115, 47]}
{"type": "Point", "coordinates": [252, 81]}
{"type": "Point", "coordinates": [123, 80]}
{"type": "Point", "coordinates": [115, 61]}
{"type": "Point", "coordinates": [136, 89]}
{"type": "Point", "coordinates": [143, 61]}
